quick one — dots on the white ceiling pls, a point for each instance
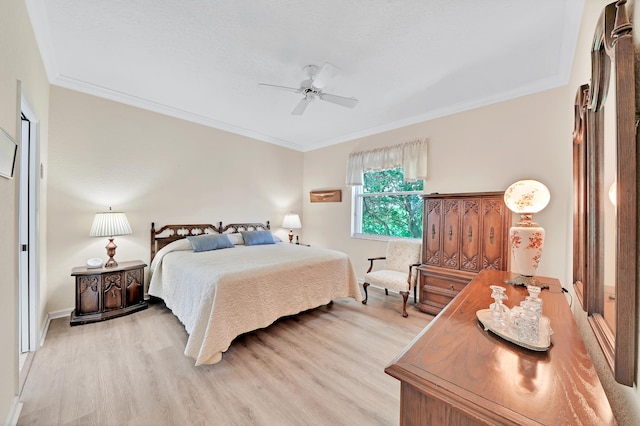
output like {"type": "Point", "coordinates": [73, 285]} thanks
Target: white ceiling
{"type": "Point", "coordinates": [406, 61]}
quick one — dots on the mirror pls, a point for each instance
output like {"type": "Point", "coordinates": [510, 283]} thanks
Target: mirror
{"type": "Point", "coordinates": [604, 157]}
{"type": "Point", "coordinates": [609, 203]}
{"type": "Point", "coordinates": [579, 194]}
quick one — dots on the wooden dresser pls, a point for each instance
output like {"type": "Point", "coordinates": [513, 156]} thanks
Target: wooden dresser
{"type": "Point", "coordinates": [105, 293]}
{"type": "Point", "coordinates": [456, 373]}
{"type": "Point", "coordinates": [462, 234]}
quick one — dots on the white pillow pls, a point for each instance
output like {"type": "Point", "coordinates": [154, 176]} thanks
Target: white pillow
{"type": "Point", "coordinates": [236, 238]}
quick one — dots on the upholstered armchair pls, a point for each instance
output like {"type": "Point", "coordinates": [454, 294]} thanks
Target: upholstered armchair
{"type": "Point", "coordinates": [400, 271]}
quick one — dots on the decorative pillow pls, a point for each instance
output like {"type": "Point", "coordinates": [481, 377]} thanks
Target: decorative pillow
{"type": "Point", "coordinates": [235, 238]}
{"type": "Point", "coordinates": [224, 242]}
{"type": "Point", "coordinates": [209, 242]}
{"type": "Point", "coordinates": [255, 238]}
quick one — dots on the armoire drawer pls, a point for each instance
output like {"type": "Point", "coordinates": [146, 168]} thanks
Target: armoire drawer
{"type": "Point", "coordinates": [444, 283]}
{"type": "Point", "coordinates": [436, 292]}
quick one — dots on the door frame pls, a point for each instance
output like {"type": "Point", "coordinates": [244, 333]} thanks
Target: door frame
{"type": "Point", "coordinates": [29, 291]}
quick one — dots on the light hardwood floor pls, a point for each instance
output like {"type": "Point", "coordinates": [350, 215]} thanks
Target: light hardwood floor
{"type": "Point", "coordinates": [321, 367]}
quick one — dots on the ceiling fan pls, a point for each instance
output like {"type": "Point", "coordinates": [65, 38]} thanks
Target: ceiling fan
{"type": "Point", "coordinates": [311, 88]}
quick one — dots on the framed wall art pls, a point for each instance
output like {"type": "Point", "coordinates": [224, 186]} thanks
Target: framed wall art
{"type": "Point", "coordinates": [8, 151]}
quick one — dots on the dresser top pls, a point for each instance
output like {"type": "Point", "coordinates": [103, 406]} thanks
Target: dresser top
{"type": "Point", "coordinates": [455, 359]}
{"type": "Point", "coordinates": [122, 266]}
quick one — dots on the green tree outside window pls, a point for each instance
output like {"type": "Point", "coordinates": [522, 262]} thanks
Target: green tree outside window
{"type": "Point", "coordinates": [386, 205]}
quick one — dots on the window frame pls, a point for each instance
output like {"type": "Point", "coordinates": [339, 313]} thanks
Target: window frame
{"type": "Point", "coordinates": [358, 194]}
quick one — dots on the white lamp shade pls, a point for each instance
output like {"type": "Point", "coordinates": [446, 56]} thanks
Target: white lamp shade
{"type": "Point", "coordinates": [527, 196]}
{"type": "Point", "coordinates": [291, 221]}
{"type": "Point", "coordinates": [110, 224]}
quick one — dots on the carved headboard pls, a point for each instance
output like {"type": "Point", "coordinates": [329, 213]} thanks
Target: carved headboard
{"type": "Point", "coordinates": [170, 233]}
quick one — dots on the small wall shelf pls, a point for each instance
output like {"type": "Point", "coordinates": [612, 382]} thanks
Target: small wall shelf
{"type": "Point", "coordinates": [326, 196]}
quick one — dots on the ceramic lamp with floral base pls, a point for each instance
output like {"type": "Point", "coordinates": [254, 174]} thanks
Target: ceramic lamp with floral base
{"type": "Point", "coordinates": [526, 238]}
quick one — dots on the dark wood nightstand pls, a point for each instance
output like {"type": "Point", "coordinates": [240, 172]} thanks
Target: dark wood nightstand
{"type": "Point", "coordinates": [105, 293]}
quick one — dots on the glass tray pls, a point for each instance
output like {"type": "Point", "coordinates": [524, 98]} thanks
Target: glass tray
{"type": "Point", "coordinates": [544, 336]}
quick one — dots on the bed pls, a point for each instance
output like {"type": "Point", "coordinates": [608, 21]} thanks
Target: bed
{"type": "Point", "coordinates": [219, 294]}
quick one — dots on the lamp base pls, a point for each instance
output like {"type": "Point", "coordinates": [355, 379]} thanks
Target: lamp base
{"type": "Point", "coordinates": [523, 280]}
{"type": "Point", "coordinates": [526, 247]}
{"type": "Point", "coordinates": [111, 263]}
{"type": "Point", "coordinates": [111, 251]}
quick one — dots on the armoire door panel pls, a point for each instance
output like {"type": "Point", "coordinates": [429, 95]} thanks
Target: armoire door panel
{"type": "Point", "coordinates": [431, 233]}
{"type": "Point", "coordinates": [470, 236]}
{"type": "Point", "coordinates": [493, 235]}
{"type": "Point", "coordinates": [451, 235]}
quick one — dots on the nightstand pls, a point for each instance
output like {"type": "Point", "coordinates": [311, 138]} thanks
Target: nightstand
{"type": "Point", "coordinates": [105, 293]}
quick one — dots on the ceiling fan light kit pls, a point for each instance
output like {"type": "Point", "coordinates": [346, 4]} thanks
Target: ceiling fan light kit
{"type": "Point", "coordinates": [311, 88]}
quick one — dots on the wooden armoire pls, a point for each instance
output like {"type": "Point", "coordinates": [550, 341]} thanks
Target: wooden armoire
{"type": "Point", "coordinates": [463, 234]}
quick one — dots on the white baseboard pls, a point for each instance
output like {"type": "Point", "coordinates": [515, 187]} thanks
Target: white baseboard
{"type": "Point", "coordinates": [59, 314]}
{"type": "Point", "coordinates": [14, 412]}
{"type": "Point", "coordinates": [51, 316]}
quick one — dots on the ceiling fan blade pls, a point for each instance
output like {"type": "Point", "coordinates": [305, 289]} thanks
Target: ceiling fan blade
{"type": "Point", "coordinates": [339, 100]}
{"type": "Point", "coordinates": [302, 105]}
{"type": "Point", "coordinates": [287, 88]}
{"type": "Point", "coordinates": [324, 74]}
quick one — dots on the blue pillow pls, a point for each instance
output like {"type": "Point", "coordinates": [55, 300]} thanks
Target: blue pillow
{"type": "Point", "coordinates": [255, 238]}
{"type": "Point", "coordinates": [207, 242]}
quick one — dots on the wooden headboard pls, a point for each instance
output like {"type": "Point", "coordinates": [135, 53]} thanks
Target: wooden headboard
{"type": "Point", "coordinates": [170, 233]}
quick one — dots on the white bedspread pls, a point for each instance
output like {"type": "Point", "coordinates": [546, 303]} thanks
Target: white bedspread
{"type": "Point", "coordinates": [221, 294]}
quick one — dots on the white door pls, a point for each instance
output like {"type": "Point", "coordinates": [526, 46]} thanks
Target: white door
{"type": "Point", "coordinates": [28, 231]}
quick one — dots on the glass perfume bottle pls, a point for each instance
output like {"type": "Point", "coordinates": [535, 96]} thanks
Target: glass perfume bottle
{"type": "Point", "coordinates": [528, 323]}
{"type": "Point", "coordinates": [534, 292]}
{"type": "Point", "coordinates": [499, 312]}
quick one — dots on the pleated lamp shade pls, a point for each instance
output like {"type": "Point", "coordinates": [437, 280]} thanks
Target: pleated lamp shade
{"type": "Point", "coordinates": [109, 224]}
{"type": "Point", "coordinates": [291, 221]}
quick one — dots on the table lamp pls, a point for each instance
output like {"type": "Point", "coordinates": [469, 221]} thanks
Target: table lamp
{"type": "Point", "coordinates": [526, 197]}
{"type": "Point", "coordinates": [291, 221]}
{"type": "Point", "coordinates": [110, 224]}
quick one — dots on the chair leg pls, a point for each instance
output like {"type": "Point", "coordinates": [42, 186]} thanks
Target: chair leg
{"type": "Point", "coordinates": [386, 292]}
{"type": "Point", "coordinates": [415, 291]}
{"type": "Point", "coordinates": [405, 296]}
{"type": "Point", "coordinates": [366, 295]}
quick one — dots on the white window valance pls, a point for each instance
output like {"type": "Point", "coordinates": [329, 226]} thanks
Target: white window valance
{"type": "Point", "coordinates": [411, 156]}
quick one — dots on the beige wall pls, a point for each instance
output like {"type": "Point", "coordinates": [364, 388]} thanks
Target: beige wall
{"type": "Point", "coordinates": [482, 150]}
{"type": "Point", "coordinates": [166, 170]}
{"type": "Point", "coordinates": [486, 149]}
{"type": "Point", "coordinates": [154, 168]}
{"type": "Point", "coordinates": [19, 60]}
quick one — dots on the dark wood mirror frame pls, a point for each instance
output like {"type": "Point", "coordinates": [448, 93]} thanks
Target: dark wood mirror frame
{"type": "Point", "coordinates": [612, 44]}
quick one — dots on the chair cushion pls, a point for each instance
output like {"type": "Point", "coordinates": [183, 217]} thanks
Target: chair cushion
{"type": "Point", "coordinates": [393, 280]}
{"type": "Point", "coordinates": [402, 253]}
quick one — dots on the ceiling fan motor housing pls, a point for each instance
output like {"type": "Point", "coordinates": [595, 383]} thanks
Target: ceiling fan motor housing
{"type": "Point", "coordinates": [310, 70]}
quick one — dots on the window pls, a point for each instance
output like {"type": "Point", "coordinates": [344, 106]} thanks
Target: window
{"type": "Point", "coordinates": [387, 206]}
